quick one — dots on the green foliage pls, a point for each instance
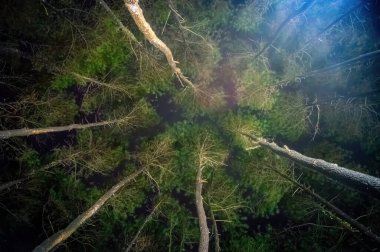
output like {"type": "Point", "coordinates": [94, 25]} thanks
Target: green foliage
{"type": "Point", "coordinates": [264, 187]}
{"type": "Point", "coordinates": [288, 117]}
{"type": "Point", "coordinates": [202, 100]}
{"type": "Point", "coordinates": [30, 158]}
{"type": "Point", "coordinates": [249, 17]}
{"type": "Point", "coordinates": [64, 81]}
{"type": "Point", "coordinates": [234, 124]}
{"type": "Point", "coordinates": [153, 78]}
{"type": "Point", "coordinates": [108, 54]}
{"type": "Point", "coordinates": [256, 88]}
{"type": "Point", "coordinates": [259, 242]}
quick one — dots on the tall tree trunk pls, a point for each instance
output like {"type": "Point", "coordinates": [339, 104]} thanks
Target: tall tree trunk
{"type": "Point", "coordinates": [145, 28]}
{"type": "Point", "coordinates": [204, 238]}
{"type": "Point", "coordinates": [4, 134]}
{"type": "Point", "coordinates": [216, 232]}
{"type": "Point", "coordinates": [365, 230]}
{"type": "Point", "coordinates": [357, 180]}
{"type": "Point", "coordinates": [65, 233]}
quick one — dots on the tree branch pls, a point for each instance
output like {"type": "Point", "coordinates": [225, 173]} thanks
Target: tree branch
{"type": "Point", "coordinates": [145, 28]}
{"type": "Point", "coordinates": [65, 233]}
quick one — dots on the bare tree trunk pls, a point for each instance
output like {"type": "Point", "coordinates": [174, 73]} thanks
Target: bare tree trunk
{"type": "Point", "coordinates": [65, 233]}
{"type": "Point", "coordinates": [357, 180]}
{"type": "Point", "coordinates": [297, 12]}
{"type": "Point", "coordinates": [4, 134]}
{"type": "Point", "coordinates": [216, 232]}
{"type": "Point", "coordinates": [366, 231]}
{"type": "Point", "coordinates": [145, 28]}
{"type": "Point", "coordinates": [204, 238]}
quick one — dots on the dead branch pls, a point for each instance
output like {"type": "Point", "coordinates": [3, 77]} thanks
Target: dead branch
{"type": "Point", "coordinates": [5, 134]}
{"type": "Point", "coordinates": [65, 233]}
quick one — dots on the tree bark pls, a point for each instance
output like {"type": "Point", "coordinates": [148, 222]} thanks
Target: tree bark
{"type": "Point", "coordinates": [365, 230]}
{"type": "Point", "coordinates": [145, 28]}
{"type": "Point", "coordinates": [204, 238]}
{"type": "Point", "coordinates": [5, 134]}
{"type": "Point", "coordinates": [216, 232]}
{"type": "Point", "coordinates": [360, 181]}
{"type": "Point", "coordinates": [65, 233]}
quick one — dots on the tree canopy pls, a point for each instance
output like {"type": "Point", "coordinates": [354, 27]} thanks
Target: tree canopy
{"type": "Point", "coordinates": [168, 125]}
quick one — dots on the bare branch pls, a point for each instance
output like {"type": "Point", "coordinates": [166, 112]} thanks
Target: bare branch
{"type": "Point", "coordinates": [65, 233]}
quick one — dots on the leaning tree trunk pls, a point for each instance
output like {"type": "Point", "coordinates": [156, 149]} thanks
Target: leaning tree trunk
{"type": "Point", "coordinates": [145, 28]}
{"type": "Point", "coordinates": [354, 223]}
{"type": "Point", "coordinates": [357, 180]}
{"type": "Point", "coordinates": [65, 233]}
{"type": "Point", "coordinates": [4, 134]}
